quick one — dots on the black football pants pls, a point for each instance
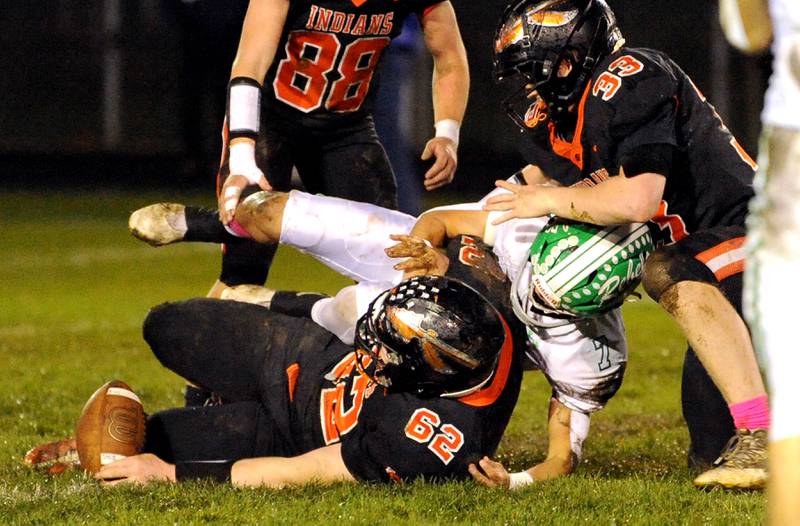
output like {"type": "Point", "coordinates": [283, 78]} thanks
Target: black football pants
{"type": "Point", "coordinates": [347, 162]}
{"type": "Point", "coordinates": [234, 349]}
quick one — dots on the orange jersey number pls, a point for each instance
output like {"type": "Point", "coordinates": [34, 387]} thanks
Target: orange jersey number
{"type": "Point", "coordinates": [672, 223]}
{"type": "Point", "coordinates": [444, 441]}
{"type": "Point", "coordinates": [609, 82]}
{"type": "Point", "coordinates": [302, 79]}
{"type": "Point", "coordinates": [340, 407]}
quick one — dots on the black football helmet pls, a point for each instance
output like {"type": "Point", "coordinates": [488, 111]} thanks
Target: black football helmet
{"type": "Point", "coordinates": [534, 36]}
{"type": "Point", "coordinates": [440, 337]}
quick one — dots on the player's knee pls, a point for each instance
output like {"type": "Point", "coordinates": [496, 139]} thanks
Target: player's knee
{"type": "Point", "coordinates": [158, 330]}
{"type": "Point", "coordinates": [261, 215]}
{"type": "Point", "coordinates": [668, 266]}
{"type": "Point", "coordinates": [655, 278]}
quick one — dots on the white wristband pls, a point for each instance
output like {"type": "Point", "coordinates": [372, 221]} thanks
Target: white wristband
{"type": "Point", "coordinates": [243, 161]}
{"type": "Point", "coordinates": [448, 128]}
{"type": "Point", "coordinates": [519, 480]}
{"type": "Point", "coordinates": [244, 106]}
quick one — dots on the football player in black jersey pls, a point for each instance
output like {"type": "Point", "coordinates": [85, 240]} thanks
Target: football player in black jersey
{"type": "Point", "coordinates": [622, 135]}
{"type": "Point", "coordinates": [301, 95]}
{"type": "Point", "coordinates": [429, 388]}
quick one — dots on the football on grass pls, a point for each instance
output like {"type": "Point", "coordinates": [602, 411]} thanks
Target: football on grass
{"type": "Point", "coordinates": [111, 426]}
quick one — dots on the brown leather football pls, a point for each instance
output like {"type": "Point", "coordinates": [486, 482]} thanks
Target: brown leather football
{"type": "Point", "coordinates": [111, 426]}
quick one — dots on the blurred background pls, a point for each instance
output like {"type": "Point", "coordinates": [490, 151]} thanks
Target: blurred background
{"type": "Point", "coordinates": [130, 94]}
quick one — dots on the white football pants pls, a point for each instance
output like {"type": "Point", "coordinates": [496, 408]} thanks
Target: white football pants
{"type": "Point", "coordinates": [772, 274]}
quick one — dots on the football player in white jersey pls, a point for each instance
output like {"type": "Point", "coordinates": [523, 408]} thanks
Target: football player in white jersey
{"type": "Point", "coordinates": [774, 228]}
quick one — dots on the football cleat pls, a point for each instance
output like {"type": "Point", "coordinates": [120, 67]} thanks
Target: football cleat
{"type": "Point", "coordinates": [742, 465]}
{"type": "Point", "coordinates": [54, 457]}
{"type": "Point", "coordinates": [159, 224]}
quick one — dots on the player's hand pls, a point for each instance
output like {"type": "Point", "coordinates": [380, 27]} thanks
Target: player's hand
{"type": "Point", "coordinates": [443, 150]}
{"type": "Point", "coordinates": [231, 192]}
{"type": "Point", "coordinates": [138, 469]}
{"type": "Point", "coordinates": [422, 259]}
{"type": "Point", "coordinates": [490, 473]}
{"type": "Point", "coordinates": [521, 201]}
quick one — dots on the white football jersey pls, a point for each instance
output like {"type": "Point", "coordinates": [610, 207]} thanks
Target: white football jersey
{"type": "Point", "coordinates": [782, 101]}
{"type": "Point", "coordinates": [584, 359]}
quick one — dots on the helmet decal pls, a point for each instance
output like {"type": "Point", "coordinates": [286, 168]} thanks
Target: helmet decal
{"type": "Point", "coordinates": [509, 35]}
{"type": "Point", "coordinates": [552, 18]}
{"type": "Point", "coordinates": [536, 114]}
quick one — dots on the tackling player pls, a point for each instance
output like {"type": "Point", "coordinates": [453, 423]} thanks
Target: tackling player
{"type": "Point", "coordinates": [773, 230]}
{"type": "Point", "coordinates": [642, 143]}
{"type": "Point", "coordinates": [300, 95]}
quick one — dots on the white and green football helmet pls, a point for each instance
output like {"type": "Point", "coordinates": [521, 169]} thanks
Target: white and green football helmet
{"type": "Point", "coordinates": [579, 270]}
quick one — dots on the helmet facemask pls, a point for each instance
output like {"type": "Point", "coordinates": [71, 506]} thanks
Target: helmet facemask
{"type": "Point", "coordinates": [536, 37]}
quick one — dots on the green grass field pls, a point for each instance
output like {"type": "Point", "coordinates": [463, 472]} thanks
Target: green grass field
{"type": "Point", "coordinates": [75, 288]}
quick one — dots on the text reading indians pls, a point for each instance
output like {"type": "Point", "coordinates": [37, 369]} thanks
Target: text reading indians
{"type": "Point", "coordinates": [321, 19]}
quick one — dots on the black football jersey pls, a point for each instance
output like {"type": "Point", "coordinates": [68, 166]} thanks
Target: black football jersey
{"type": "Point", "coordinates": [397, 436]}
{"type": "Point", "coordinates": [639, 97]}
{"type": "Point", "coordinates": [401, 436]}
{"type": "Point", "coordinates": [325, 65]}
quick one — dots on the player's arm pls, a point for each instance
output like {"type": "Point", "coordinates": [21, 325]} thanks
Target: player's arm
{"type": "Point", "coordinates": [746, 24]}
{"type": "Point", "coordinates": [450, 91]}
{"type": "Point", "coordinates": [561, 459]}
{"type": "Point", "coordinates": [323, 465]}
{"type": "Point", "coordinates": [617, 200]}
{"type": "Point", "coordinates": [438, 225]}
{"type": "Point", "coordinates": [261, 32]}
{"type": "Point", "coordinates": [422, 246]}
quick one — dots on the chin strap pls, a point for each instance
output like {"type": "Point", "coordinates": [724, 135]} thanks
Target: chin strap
{"type": "Point", "coordinates": [465, 392]}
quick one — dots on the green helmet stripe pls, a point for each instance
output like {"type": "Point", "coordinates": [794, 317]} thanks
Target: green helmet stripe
{"type": "Point", "coordinates": [591, 248]}
{"type": "Point", "coordinates": [584, 247]}
{"type": "Point", "coordinates": [611, 246]}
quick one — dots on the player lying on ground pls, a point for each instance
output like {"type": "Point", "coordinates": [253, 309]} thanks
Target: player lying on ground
{"type": "Point", "coordinates": [584, 360]}
{"type": "Point", "coordinates": [428, 389]}
{"type": "Point", "coordinates": [630, 126]}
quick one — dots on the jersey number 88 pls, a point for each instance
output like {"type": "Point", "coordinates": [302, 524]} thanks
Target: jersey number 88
{"type": "Point", "coordinates": [301, 80]}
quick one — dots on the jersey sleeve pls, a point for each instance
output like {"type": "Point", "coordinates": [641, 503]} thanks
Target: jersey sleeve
{"type": "Point", "coordinates": [412, 440]}
{"type": "Point", "coordinates": [640, 93]}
